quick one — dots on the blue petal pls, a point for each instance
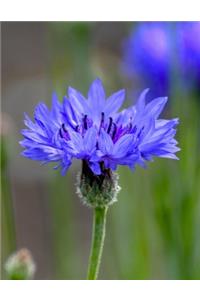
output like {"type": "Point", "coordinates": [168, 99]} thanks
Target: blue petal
{"type": "Point", "coordinates": [78, 102]}
{"type": "Point", "coordinates": [123, 146]}
{"type": "Point", "coordinates": [95, 167]}
{"type": "Point", "coordinates": [156, 106]}
{"type": "Point", "coordinates": [90, 139]}
{"type": "Point", "coordinates": [66, 163]}
{"type": "Point", "coordinates": [114, 102]}
{"type": "Point", "coordinates": [96, 97]}
{"type": "Point", "coordinates": [34, 136]}
{"type": "Point", "coordinates": [105, 142]}
{"type": "Point", "coordinates": [56, 114]}
{"type": "Point", "coordinates": [76, 142]}
{"type": "Point", "coordinates": [45, 153]}
{"type": "Point", "coordinates": [140, 105]}
{"type": "Point", "coordinates": [71, 117]}
{"type": "Point", "coordinates": [28, 122]}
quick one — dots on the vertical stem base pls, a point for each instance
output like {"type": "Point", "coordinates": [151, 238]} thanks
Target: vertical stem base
{"type": "Point", "coordinates": [98, 236]}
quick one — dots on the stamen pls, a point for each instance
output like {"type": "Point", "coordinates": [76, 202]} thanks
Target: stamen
{"type": "Point", "coordinates": [114, 130]}
{"type": "Point", "coordinates": [110, 124]}
{"type": "Point", "coordinates": [85, 122]}
{"type": "Point", "coordinates": [130, 126]}
{"type": "Point", "coordinates": [63, 127]}
{"type": "Point", "coordinates": [102, 117]}
{"type": "Point", "coordinates": [60, 132]}
{"type": "Point", "coordinates": [139, 134]}
{"type": "Point", "coordinates": [134, 129]}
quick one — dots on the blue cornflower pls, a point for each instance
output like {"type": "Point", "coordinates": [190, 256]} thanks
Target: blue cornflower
{"type": "Point", "coordinates": [188, 37]}
{"type": "Point", "coordinates": [94, 131]}
{"type": "Point", "coordinates": [146, 55]}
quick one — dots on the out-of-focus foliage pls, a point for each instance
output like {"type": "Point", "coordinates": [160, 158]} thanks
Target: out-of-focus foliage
{"type": "Point", "coordinates": [7, 234]}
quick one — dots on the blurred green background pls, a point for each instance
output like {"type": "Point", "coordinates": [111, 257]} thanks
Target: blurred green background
{"type": "Point", "coordinates": [153, 229]}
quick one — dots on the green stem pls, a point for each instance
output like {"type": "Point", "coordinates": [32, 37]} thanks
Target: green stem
{"type": "Point", "coordinates": [98, 235]}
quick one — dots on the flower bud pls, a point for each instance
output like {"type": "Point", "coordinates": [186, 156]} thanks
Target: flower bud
{"type": "Point", "coordinates": [20, 265]}
{"type": "Point", "coordinates": [97, 190]}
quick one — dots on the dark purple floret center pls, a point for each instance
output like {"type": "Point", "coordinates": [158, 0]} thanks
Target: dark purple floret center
{"type": "Point", "coordinates": [115, 131]}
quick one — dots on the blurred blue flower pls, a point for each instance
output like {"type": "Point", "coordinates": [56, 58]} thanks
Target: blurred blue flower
{"type": "Point", "coordinates": [93, 130]}
{"type": "Point", "coordinates": [188, 36]}
{"type": "Point", "coordinates": [146, 54]}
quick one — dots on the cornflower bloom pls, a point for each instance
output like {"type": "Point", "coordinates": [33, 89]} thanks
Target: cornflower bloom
{"type": "Point", "coordinates": [95, 131]}
{"type": "Point", "coordinates": [146, 55]}
{"type": "Point", "coordinates": [188, 37]}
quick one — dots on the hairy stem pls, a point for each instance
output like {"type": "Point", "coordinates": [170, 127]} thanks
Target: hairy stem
{"type": "Point", "coordinates": [98, 235]}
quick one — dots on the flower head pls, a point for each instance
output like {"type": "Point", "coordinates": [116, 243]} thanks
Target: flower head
{"type": "Point", "coordinates": [188, 36]}
{"type": "Point", "coordinates": [146, 54]}
{"type": "Point", "coordinates": [20, 265]}
{"type": "Point", "coordinates": [94, 131]}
